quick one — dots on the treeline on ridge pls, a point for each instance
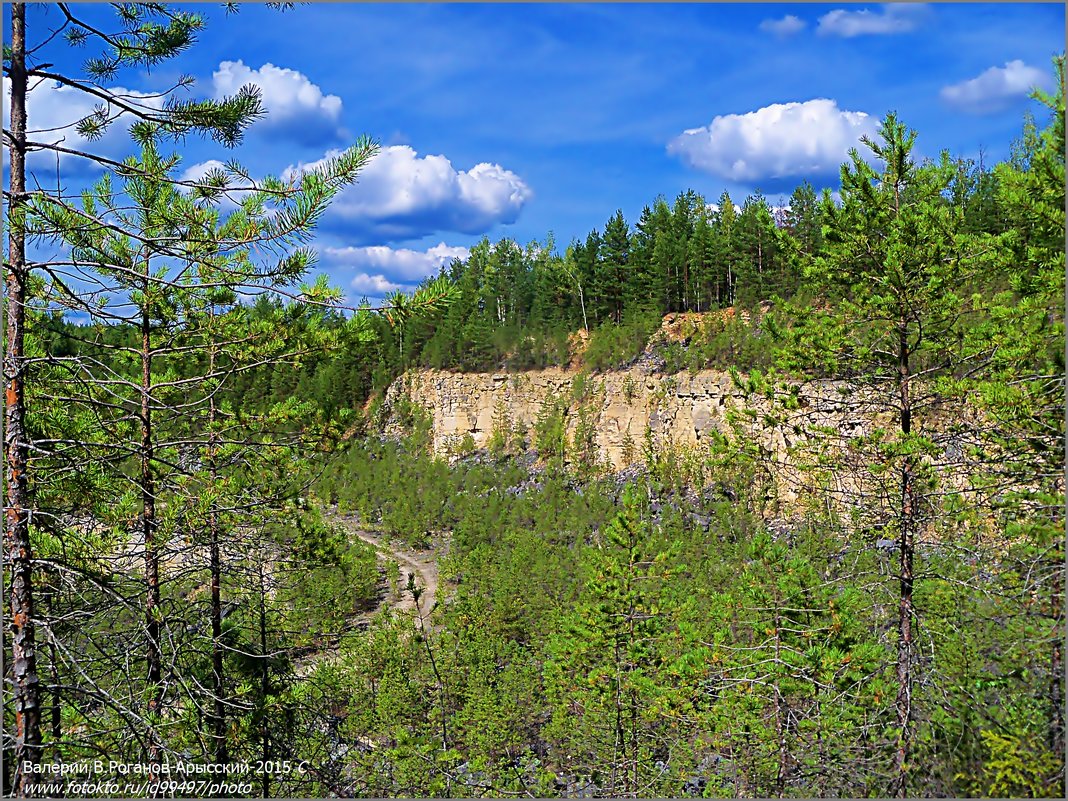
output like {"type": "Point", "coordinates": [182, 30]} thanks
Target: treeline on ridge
{"type": "Point", "coordinates": [518, 307]}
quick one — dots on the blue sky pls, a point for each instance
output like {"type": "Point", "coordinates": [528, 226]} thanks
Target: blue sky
{"type": "Point", "coordinates": [520, 119]}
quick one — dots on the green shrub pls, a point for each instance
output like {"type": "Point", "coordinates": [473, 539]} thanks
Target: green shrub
{"type": "Point", "coordinates": [721, 344]}
{"type": "Point", "coordinates": [339, 579]}
{"type": "Point", "coordinates": [550, 429]}
{"type": "Point", "coordinates": [613, 346]}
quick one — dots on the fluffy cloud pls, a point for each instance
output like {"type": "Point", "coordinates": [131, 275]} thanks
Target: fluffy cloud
{"type": "Point", "coordinates": [402, 195]}
{"type": "Point", "coordinates": [777, 141]}
{"type": "Point", "coordinates": [386, 269]}
{"type": "Point", "coordinates": [995, 89]}
{"type": "Point", "coordinates": [894, 18]}
{"type": "Point", "coordinates": [375, 286]}
{"type": "Point", "coordinates": [195, 172]}
{"type": "Point", "coordinates": [53, 110]}
{"type": "Point", "coordinates": [296, 107]}
{"type": "Point", "coordinates": [226, 202]}
{"type": "Point", "coordinates": [787, 26]}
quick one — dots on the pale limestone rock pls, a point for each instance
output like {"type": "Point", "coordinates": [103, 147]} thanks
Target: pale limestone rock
{"type": "Point", "coordinates": [628, 406]}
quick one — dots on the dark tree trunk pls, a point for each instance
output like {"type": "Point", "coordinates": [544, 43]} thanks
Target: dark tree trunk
{"type": "Point", "coordinates": [265, 686]}
{"type": "Point", "coordinates": [906, 550]}
{"type": "Point", "coordinates": [153, 612]}
{"type": "Point", "coordinates": [25, 693]}
{"type": "Point", "coordinates": [218, 722]}
{"type": "Point", "coordinates": [1056, 684]}
{"type": "Point", "coordinates": [780, 714]}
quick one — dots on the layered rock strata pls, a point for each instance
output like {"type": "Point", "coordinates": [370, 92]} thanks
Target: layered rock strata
{"type": "Point", "coordinates": [623, 414]}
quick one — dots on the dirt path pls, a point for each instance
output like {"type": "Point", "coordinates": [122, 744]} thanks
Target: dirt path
{"type": "Point", "coordinates": [422, 564]}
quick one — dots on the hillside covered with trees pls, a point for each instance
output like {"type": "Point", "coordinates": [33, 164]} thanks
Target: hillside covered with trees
{"type": "Point", "coordinates": [193, 433]}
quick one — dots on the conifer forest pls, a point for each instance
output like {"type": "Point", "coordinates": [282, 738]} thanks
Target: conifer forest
{"type": "Point", "coordinates": [243, 556]}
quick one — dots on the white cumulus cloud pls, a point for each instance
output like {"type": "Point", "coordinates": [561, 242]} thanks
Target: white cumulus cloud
{"type": "Point", "coordinates": [382, 265]}
{"type": "Point", "coordinates": [787, 26]}
{"type": "Point", "coordinates": [52, 112]}
{"type": "Point", "coordinates": [227, 201]}
{"type": "Point", "coordinates": [402, 195]}
{"type": "Point", "coordinates": [777, 141]}
{"type": "Point", "coordinates": [893, 18]}
{"type": "Point", "coordinates": [374, 285]}
{"type": "Point", "coordinates": [194, 172]}
{"type": "Point", "coordinates": [295, 106]}
{"type": "Point", "coordinates": [996, 88]}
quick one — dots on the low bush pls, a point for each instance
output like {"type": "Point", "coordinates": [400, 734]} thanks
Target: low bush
{"type": "Point", "coordinates": [614, 346]}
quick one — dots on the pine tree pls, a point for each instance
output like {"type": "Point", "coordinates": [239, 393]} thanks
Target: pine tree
{"type": "Point", "coordinates": [643, 288]}
{"type": "Point", "coordinates": [803, 220]}
{"type": "Point", "coordinates": [757, 241]}
{"type": "Point", "coordinates": [170, 257]}
{"type": "Point", "coordinates": [568, 265]}
{"type": "Point", "coordinates": [683, 215]}
{"type": "Point", "coordinates": [725, 250]}
{"type": "Point", "coordinates": [589, 271]}
{"type": "Point", "coordinates": [147, 35]}
{"type": "Point", "coordinates": [614, 266]}
{"type": "Point", "coordinates": [1025, 383]}
{"type": "Point", "coordinates": [609, 659]}
{"type": "Point", "coordinates": [699, 257]}
{"type": "Point", "coordinates": [900, 327]}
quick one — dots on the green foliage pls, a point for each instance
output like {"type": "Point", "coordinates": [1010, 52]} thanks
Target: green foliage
{"type": "Point", "coordinates": [913, 301]}
{"type": "Point", "coordinates": [1016, 768]}
{"type": "Point", "coordinates": [613, 346]}
{"type": "Point", "coordinates": [739, 341]}
{"type": "Point", "coordinates": [606, 661]}
{"type": "Point", "coordinates": [550, 429]}
{"type": "Point", "coordinates": [678, 631]}
{"type": "Point", "coordinates": [634, 638]}
{"type": "Point", "coordinates": [338, 579]}
{"type": "Point", "coordinates": [508, 437]}
{"type": "Point", "coordinates": [583, 451]}
{"type": "Point", "coordinates": [414, 420]}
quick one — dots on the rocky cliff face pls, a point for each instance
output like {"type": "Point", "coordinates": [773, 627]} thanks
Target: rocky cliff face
{"type": "Point", "coordinates": [623, 413]}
